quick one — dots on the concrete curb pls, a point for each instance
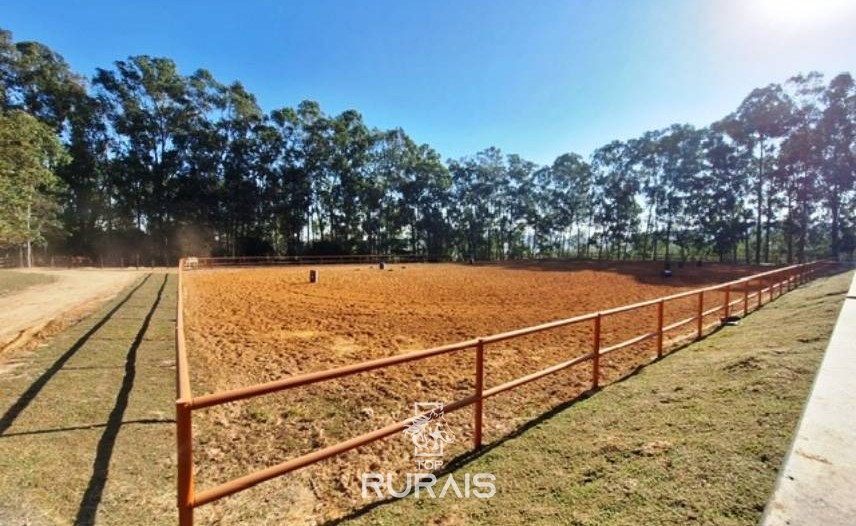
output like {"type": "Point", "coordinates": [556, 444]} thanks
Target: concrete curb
{"type": "Point", "coordinates": [817, 482]}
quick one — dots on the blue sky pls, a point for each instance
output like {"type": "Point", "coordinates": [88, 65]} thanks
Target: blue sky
{"type": "Point", "coordinates": [538, 78]}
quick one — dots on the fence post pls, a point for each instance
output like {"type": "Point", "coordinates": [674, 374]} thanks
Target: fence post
{"type": "Point", "coordinates": [595, 364]}
{"type": "Point", "coordinates": [727, 313]}
{"type": "Point", "coordinates": [772, 287]}
{"type": "Point", "coordinates": [745, 298]}
{"type": "Point", "coordinates": [760, 292]}
{"type": "Point", "coordinates": [700, 320]}
{"type": "Point", "coordinates": [479, 404]}
{"type": "Point", "coordinates": [660, 309]}
{"type": "Point", "coordinates": [184, 435]}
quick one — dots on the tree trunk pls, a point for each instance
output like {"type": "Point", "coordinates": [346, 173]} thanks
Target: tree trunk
{"type": "Point", "coordinates": [668, 238]}
{"type": "Point", "coordinates": [759, 195]}
{"type": "Point", "coordinates": [768, 223]}
{"type": "Point", "coordinates": [835, 210]}
{"type": "Point", "coordinates": [803, 232]}
{"type": "Point", "coordinates": [29, 238]}
{"type": "Point", "coordinates": [790, 230]}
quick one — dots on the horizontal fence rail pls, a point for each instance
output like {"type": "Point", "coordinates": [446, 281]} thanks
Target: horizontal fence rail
{"type": "Point", "coordinates": [251, 261]}
{"type": "Point", "coordinates": [753, 290]}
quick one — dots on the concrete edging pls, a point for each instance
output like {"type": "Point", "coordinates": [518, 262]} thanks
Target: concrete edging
{"type": "Point", "coordinates": [817, 482]}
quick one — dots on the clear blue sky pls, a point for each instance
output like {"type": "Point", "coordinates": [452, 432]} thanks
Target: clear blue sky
{"type": "Point", "coordinates": [538, 77]}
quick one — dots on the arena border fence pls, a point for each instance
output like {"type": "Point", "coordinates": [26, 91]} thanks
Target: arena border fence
{"type": "Point", "coordinates": [752, 289]}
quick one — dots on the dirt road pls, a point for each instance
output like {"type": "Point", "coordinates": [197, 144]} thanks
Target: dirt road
{"type": "Point", "coordinates": [74, 294]}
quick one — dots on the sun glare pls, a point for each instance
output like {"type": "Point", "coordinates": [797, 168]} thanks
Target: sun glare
{"type": "Point", "coordinates": [800, 14]}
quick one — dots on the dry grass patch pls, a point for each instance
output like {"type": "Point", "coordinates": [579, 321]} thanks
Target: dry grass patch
{"type": "Point", "coordinates": [12, 281]}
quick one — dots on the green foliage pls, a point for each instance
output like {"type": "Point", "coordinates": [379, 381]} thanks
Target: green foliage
{"type": "Point", "coordinates": [29, 188]}
{"type": "Point", "coordinates": [164, 164]}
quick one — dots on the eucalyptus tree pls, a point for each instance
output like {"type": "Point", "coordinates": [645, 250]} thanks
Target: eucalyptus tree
{"type": "Point", "coordinates": [512, 206]}
{"type": "Point", "coordinates": [476, 182]}
{"type": "Point", "coordinates": [315, 141]}
{"type": "Point", "coordinates": [837, 141]}
{"type": "Point", "coordinates": [763, 117]}
{"type": "Point", "coordinates": [432, 199]}
{"type": "Point", "coordinates": [719, 206]}
{"type": "Point", "coordinates": [38, 80]}
{"type": "Point", "coordinates": [797, 173]}
{"type": "Point", "coordinates": [243, 172]}
{"type": "Point", "coordinates": [289, 189]}
{"type": "Point", "coordinates": [563, 194]}
{"type": "Point", "coordinates": [615, 198]}
{"type": "Point", "coordinates": [351, 143]}
{"type": "Point", "coordinates": [646, 161]}
{"type": "Point", "coordinates": [392, 193]}
{"type": "Point", "coordinates": [146, 100]}
{"type": "Point", "coordinates": [681, 160]}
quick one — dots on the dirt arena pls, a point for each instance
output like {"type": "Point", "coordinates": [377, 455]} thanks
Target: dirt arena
{"type": "Point", "coordinates": [246, 326]}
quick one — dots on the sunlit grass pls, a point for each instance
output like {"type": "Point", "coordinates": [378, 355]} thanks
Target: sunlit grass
{"type": "Point", "coordinates": [696, 438]}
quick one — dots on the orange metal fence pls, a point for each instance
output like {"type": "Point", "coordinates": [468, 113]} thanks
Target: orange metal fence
{"type": "Point", "coordinates": [751, 290]}
{"type": "Point", "coordinates": [244, 261]}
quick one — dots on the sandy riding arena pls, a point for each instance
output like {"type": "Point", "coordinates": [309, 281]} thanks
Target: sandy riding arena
{"type": "Point", "coordinates": [250, 325]}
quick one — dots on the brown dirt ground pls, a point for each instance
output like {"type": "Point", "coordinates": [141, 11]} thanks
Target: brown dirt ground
{"type": "Point", "coordinates": [246, 326]}
{"type": "Point", "coordinates": [43, 310]}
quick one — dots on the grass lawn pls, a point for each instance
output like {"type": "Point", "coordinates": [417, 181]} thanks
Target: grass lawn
{"type": "Point", "coordinates": [14, 281]}
{"type": "Point", "coordinates": [86, 420]}
{"type": "Point", "coordinates": [696, 438]}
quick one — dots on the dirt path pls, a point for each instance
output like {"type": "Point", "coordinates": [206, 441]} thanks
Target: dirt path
{"type": "Point", "coordinates": [74, 294]}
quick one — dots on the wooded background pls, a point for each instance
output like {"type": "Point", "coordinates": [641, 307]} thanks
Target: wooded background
{"type": "Point", "coordinates": [144, 161]}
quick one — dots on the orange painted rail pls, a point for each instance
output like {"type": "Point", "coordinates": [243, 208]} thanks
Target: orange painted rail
{"type": "Point", "coordinates": [774, 283]}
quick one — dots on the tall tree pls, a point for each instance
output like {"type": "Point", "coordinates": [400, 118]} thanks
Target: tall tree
{"type": "Point", "coordinates": [837, 128]}
{"type": "Point", "coordinates": [617, 209]}
{"type": "Point", "coordinates": [30, 153]}
{"type": "Point", "coordinates": [762, 117]}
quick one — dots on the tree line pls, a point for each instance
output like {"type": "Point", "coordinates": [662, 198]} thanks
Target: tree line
{"type": "Point", "coordinates": [144, 161]}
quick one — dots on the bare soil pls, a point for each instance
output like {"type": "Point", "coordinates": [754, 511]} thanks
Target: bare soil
{"type": "Point", "coordinates": [246, 326]}
{"type": "Point", "coordinates": [69, 296]}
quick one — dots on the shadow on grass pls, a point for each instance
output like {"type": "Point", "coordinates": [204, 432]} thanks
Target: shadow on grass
{"type": "Point", "coordinates": [141, 421]}
{"type": "Point", "coordinates": [466, 458]}
{"type": "Point", "coordinates": [101, 466]}
{"type": "Point", "coordinates": [35, 388]}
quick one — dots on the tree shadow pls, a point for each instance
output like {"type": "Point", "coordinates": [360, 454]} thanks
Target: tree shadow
{"type": "Point", "coordinates": [646, 272]}
{"type": "Point", "coordinates": [465, 458]}
{"type": "Point", "coordinates": [35, 388]}
{"type": "Point", "coordinates": [139, 421]}
{"type": "Point", "coordinates": [101, 466]}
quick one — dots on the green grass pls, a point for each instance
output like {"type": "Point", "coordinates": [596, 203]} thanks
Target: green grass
{"type": "Point", "coordinates": [86, 421]}
{"type": "Point", "coordinates": [696, 438]}
{"type": "Point", "coordinates": [14, 281]}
